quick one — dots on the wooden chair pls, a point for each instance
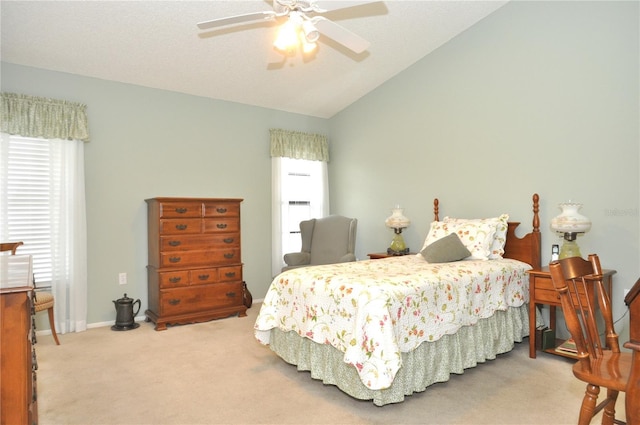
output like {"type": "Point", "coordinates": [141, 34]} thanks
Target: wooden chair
{"type": "Point", "coordinates": [10, 246]}
{"type": "Point", "coordinates": [579, 284]}
{"type": "Point", "coordinates": [41, 300]}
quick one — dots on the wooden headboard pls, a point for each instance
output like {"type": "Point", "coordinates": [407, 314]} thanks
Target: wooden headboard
{"type": "Point", "coordinates": [526, 248]}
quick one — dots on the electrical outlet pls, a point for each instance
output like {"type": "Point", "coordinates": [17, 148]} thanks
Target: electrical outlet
{"type": "Point", "coordinates": [122, 278]}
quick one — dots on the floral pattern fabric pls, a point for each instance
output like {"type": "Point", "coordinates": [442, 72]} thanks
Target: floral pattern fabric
{"type": "Point", "coordinates": [373, 310]}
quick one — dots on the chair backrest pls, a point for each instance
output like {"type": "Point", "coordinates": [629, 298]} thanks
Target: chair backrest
{"type": "Point", "coordinates": [579, 283]}
{"type": "Point", "coordinates": [10, 246]}
{"type": "Point", "coordinates": [329, 239]}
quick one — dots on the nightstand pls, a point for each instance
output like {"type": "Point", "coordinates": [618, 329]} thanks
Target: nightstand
{"type": "Point", "coordinates": [542, 292]}
{"type": "Point", "coordinates": [378, 255]}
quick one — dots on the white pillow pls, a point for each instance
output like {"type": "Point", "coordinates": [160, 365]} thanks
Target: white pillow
{"type": "Point", "coordinates": [476, 237]}
{"type": "Point", "coordinates": [496, 251]}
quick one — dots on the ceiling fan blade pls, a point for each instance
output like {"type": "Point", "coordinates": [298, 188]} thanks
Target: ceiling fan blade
{"type": "Point", "coordinates": [340, 34]}
{"type": "Point", "coordinates": [328, 6]}
{"type": "Point", "coordinates": [248, 17]}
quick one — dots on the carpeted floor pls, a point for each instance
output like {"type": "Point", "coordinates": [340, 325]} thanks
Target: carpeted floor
{"type": "Point", "coordinates": [216, 373]}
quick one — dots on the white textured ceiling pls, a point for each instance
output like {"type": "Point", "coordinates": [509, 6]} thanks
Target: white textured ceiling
{"type": "Point", "coordinates": [157, 44]}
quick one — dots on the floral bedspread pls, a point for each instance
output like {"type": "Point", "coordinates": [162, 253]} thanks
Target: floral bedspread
{"type": "Point", "coordinates": [373, 310]}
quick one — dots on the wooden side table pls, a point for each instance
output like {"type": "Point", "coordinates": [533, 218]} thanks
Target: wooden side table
{"type": "Point", "coordinates": [379, 255]}
{"type": "Point", "coordinates": [542, 291]}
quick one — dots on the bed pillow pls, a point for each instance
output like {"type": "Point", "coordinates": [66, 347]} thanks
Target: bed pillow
{"type": "Point", "coordinates": [445, 250]}
{"type": "Point", "coordinates": [476, 237]}
{"type": "Point", "coordinates": [496, 251]}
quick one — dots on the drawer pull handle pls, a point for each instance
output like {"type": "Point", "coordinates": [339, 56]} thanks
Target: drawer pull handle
{"type": "Point", "coordinates": [230, 274]}
{"type": "Point", "coordinates": [181, 226]}
{"type": "Point", "coordinates": [174, 301]}
{"type": "Point", "coordinates": [221, 210]}
{"type": "Point", "coordinates": [221, 225]}
{"type": "Point", "coordinates": [231, 294]}
{"type": "Point", "coordinates": [175, 279]}
{"type": "Point", "coordinates": [203, 276]}
{"type": "Point", "coordinates": [174, 243]}
{"type": "Point", "coordinates": [175, 259]}
{"type": "Point", "coordinates": [228, 255]}
{"type": "Point", "coordinates": [181, 210]}
{"type": "Point", "coordinates": [228, 240]}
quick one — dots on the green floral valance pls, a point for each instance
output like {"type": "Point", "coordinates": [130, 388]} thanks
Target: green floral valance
{"type": "Point", "coordinates": [31, 116]}
{"type": "Point", "coordinates": [297, 145]}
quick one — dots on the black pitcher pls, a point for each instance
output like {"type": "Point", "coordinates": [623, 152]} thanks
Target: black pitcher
{"type": "Point", "coordinates": [125, 316]}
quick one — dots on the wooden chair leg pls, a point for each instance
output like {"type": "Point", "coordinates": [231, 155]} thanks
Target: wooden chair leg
{"type": "Point", "coordinates": [588, 408]}
{"type": "Point", "coordinates": [609, 415]}
{"type": "Point", "coordinates": [53, 325]}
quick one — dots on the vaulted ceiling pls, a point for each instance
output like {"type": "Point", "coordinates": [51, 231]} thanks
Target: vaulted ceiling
{"type": "Point", "coordinates": [157, 44]}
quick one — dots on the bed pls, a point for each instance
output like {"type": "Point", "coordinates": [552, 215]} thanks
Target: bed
{"type": "Point", "coordinates": [383, 329]}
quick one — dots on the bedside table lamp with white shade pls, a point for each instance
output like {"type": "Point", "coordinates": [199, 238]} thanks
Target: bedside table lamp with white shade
{"type": "Point", "coordinates": [397, 221]}
{"type": "Point", "coordinates": [570, 222]}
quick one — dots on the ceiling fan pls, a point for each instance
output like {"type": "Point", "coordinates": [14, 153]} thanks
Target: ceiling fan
{"type": "Point", "coordinates": [303, 25]}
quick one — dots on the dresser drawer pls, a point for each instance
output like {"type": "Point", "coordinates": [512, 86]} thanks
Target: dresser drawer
{"type": "Point", "coordinates": [200, 258]}
{"type": "Point", "coordinates": [184, 278]}
{"type": "Point", "coordinates": [202, 276]}
{"type": "Point", "coordinates": [228, 274]}
{"type": "Point", "coordinates": [180, 226]}
{"type": "Point", "coordinates": [221, 209]}
{"type": "Point", "coordinates": [180, 209]}
{"type": "Point", "coordinates": [545, 293]}
{"type": "Point", "coordinates": [199, 242]}
{"type": "Point", "coordinates": [200, 298]}
{"type": "Point", "coordinates": [213, 225]}
{"type": "Point", "coordinates": [547, 296]}
{"type": "Point", "coordinates": [174, 279]}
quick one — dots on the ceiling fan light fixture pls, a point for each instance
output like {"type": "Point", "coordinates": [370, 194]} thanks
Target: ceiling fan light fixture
{"type": "Point", "coordinates": [308, 47]}
{"type": "Point", "coordinates": [311, 33]}
{"type": "Point", "coordinates": [287, 39]}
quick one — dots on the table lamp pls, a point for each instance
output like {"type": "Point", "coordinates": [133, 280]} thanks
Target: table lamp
{"type": "Point", "coordinates": [570, 222]}
{"type": "Point", "coordinates": [397, 221]}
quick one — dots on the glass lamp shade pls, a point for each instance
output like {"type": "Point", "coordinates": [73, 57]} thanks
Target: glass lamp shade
{"type": "Point", "coordinates": [570, 222]}
{"type": "Point", "coordinates": [397, 221]}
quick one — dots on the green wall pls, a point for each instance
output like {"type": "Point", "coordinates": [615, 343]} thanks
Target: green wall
{"type": "Point", "coordinates": [538, 97]}
{"type": "Point", "coordinates": [147, 143]}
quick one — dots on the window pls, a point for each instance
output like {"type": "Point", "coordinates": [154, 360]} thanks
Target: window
{"type": "Point", "coordinates": [300, 193]}
{"type": "Point", "coordinates": [42, 200]}
{"type": "Point", "coordinates": [299, 188]}
{"type": "Point", "coordinates": [42, 204]}
{"type": "Point", "coordinates": [302, 198]}
{"type": "Point", "coordinates": [26, 199]}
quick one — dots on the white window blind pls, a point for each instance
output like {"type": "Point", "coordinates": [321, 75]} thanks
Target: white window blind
{"type": "Point", "coordinates": [303, 195]}
{"type": "Point", "coordinates": [26, 182]}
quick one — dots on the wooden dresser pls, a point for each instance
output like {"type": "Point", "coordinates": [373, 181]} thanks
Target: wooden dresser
{"type": "Point", "coordinates": [195, 261]}
{"type": "Point", "coordinates": [18, 403]}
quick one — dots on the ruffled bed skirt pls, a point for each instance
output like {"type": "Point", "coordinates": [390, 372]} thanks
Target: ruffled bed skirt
{"type": "Point", "coordinates": [431, 362]}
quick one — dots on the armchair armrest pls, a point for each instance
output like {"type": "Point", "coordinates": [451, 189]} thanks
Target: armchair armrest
{"type": "Point", "coordinates": [346, 258]}
{"type": "Point", "coordinates": [297, 258]}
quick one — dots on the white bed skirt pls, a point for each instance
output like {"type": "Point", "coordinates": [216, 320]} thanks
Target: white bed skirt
{"type": "Point", "coordinates": [431, 362]}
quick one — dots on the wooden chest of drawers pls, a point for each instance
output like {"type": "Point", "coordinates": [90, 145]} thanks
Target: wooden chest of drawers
{"type": "Point", "coordinates": [195, 260]}
{"type": "Point", "coordinates": [18, 400]}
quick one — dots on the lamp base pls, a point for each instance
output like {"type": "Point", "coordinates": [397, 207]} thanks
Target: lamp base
{"type": "Point", "coordinates": [398, 247]}
{"type": "Point", "coordinates": [392, 252]}
{"type": "Point", "coordinates": [569, 249]}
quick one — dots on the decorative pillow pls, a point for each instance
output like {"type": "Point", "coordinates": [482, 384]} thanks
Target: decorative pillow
{"type": "Point", "coordinates": [445, 250]}
{"type": "Point", "coordinates": [476, 237]}
{"type": "Point", "coordinates": [500, 238]}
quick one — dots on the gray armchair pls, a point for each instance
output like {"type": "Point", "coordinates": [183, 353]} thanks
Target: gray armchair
{"type": "Point", "coordinates": [325, 240]}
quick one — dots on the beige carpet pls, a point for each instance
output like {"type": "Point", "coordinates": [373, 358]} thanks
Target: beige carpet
{"type": "Point", "coordinates": [216, 373]}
